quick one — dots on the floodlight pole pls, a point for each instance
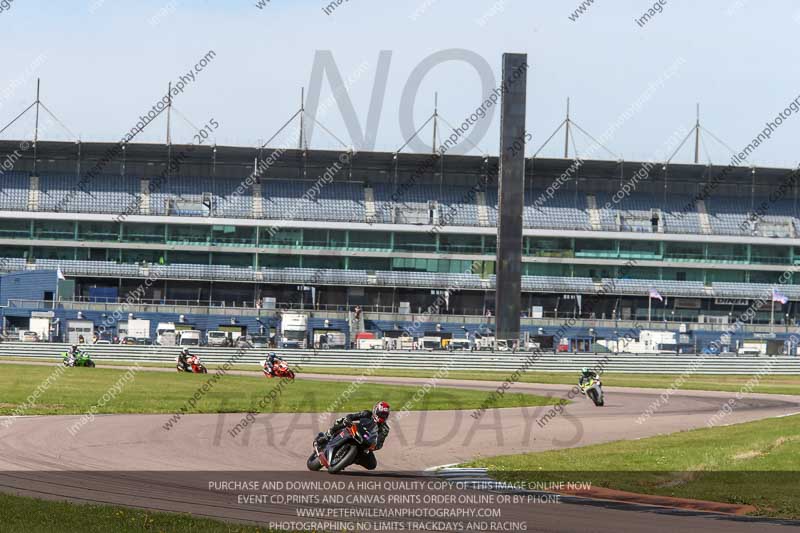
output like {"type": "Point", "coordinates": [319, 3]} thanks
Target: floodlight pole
{"type": "Point", "coordinates": [566, 136]}
{"type": "Point", "coordinates": [302, 117]}
{"type": "Point", "coordinates": [435, 119]}
{"type": "Point", "coordinates": [697, 137]}
{"type": "Point", "coordinates": [169, 110]}
{"type": "Point", "coordinates": [36, 127]}
{"type": "Point", "coordinates": [169, 139]}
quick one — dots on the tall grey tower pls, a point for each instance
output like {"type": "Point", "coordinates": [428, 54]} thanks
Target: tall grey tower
{"type": "Point", "coordinates": [511, 197]}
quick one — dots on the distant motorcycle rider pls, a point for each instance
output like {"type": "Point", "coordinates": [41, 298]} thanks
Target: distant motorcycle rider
{"type": "Point", "coordinates": [73, 354]}
{"type": "Point", "coordinates": [269, 363]}
{"type": "Point", "coordinates": [183, 360]}
{"type": "Point", "coordinates": [372, 421]}
{"type": "Point", "coordinates": [586, 376]}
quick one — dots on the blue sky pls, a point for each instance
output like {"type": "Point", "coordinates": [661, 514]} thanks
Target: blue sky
{"type": "Point", "coordinates": [105, 62]}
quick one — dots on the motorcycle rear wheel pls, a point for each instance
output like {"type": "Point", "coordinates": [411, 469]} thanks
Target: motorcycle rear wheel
{"type": "Point", "coordinates": [344, 461]}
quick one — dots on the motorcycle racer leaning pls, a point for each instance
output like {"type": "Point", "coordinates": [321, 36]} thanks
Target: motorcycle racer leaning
{"type": "Point", "coordinates": [183, 360]}
{"type": "Point", "coordinates": [586, 376]}
{"type": "Point", "coordinates": [269, 363]}
{"type": "Point", "coordinates": [374, 422]}
{"type": "Point", "coordinates": [73, 354]}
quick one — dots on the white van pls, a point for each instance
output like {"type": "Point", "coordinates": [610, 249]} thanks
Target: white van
{"type": "Point", "coordinates": [165, 334]}
{"type": "Point", "coordinates": [217, 338]}
{"type": "Point", "coordinates": [189, 337]}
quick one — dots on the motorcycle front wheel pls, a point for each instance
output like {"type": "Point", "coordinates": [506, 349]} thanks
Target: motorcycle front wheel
{"type": "Point", "coordinates": [342, 459]}
{"type": "Point", "coordinates": [90, 364]}
{"type": "Point", "coordinates": [592, 394]}
{"type": "Point", "coordinates": [313, 463]}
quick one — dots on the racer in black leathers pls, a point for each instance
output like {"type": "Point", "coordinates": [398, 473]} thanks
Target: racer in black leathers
{"type": "Point", "coordinates": [183, 360]}
{"type": "Point", "coordinates": [373, 421]}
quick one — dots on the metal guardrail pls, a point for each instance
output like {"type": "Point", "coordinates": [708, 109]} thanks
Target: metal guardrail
{"type": "Point", "coordinates": [423, 360]}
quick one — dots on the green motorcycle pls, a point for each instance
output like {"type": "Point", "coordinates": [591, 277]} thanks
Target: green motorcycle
{"type": "Point", "coordinates": [81, 359]}
{"type": "Point", "coordinates": [593, 389]}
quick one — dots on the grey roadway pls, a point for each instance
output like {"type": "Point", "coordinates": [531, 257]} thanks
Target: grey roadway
{"type": "Point", "coordinates": [133, 460]}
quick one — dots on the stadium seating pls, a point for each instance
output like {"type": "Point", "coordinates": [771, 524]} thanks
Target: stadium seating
{"type": "Point", "coordinates": [428, 280]}
{"type": "Point", "coordinates": [445, 205]}
{"type": "Point", "coordinates": [727, 215]}
{"type": "Point", "coordinates": [312, 200]}
{"type": "Point", "coordinates": [101, 194]}
{"type": "Point", "coordinates": [89, 268]}
{"type": "Point", "coordinates": [312, 275]}
{"type": "Point", "coordinates": [738, 216]}
{"type": "Point", "coordinates": [233, 198]}
{"type": "Point", "coordinates": [183, 196]}
{"type": "Point", "coordinates": [565, 210]}
{"type": "Point", "coordinates": [415, 204]}
{"type": "Point", "coordinates": [634, 212]}
{"type": "Point", "coordinates": [457, 281]}
{"type": "Point", "coordinates": [12, 264]}
{"type": "Point", "coordinates": [554, 283]}
{"type": "Point", "coordinates": [13, 190]}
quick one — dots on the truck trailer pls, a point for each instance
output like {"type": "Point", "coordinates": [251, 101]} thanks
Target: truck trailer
{"type": "Point", "coordinates": [294, 330]}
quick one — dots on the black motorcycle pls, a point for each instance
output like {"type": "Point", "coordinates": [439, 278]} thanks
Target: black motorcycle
{"type": "Point", "coordinates": [342, 449]}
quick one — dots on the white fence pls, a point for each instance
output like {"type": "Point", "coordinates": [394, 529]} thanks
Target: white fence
{"type": "Point", "coordinates": [421, 360]}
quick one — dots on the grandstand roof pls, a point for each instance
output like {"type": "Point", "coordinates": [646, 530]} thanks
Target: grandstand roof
{"type": "Point", "coordinates": [58, 156]}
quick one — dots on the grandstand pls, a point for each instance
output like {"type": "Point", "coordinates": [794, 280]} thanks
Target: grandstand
{"type": "Point", "coordinates": [390, 229]}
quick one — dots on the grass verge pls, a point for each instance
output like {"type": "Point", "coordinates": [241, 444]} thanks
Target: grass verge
{"type": "Point", "coordinates": [770, 384]}
{"type": "Point", "coordinates": [29, 515]}
{"type": "Point", "coordinates": [755, 463]}
{"type": "Point", "coordinates": [76, 390]}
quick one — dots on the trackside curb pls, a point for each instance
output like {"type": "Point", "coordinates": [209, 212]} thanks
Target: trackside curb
{"type": "Point", "coordinates": [479, 478]}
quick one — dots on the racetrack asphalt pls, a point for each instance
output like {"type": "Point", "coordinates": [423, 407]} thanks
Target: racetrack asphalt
{"type": "Point", "coordinates": [133, 460]}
